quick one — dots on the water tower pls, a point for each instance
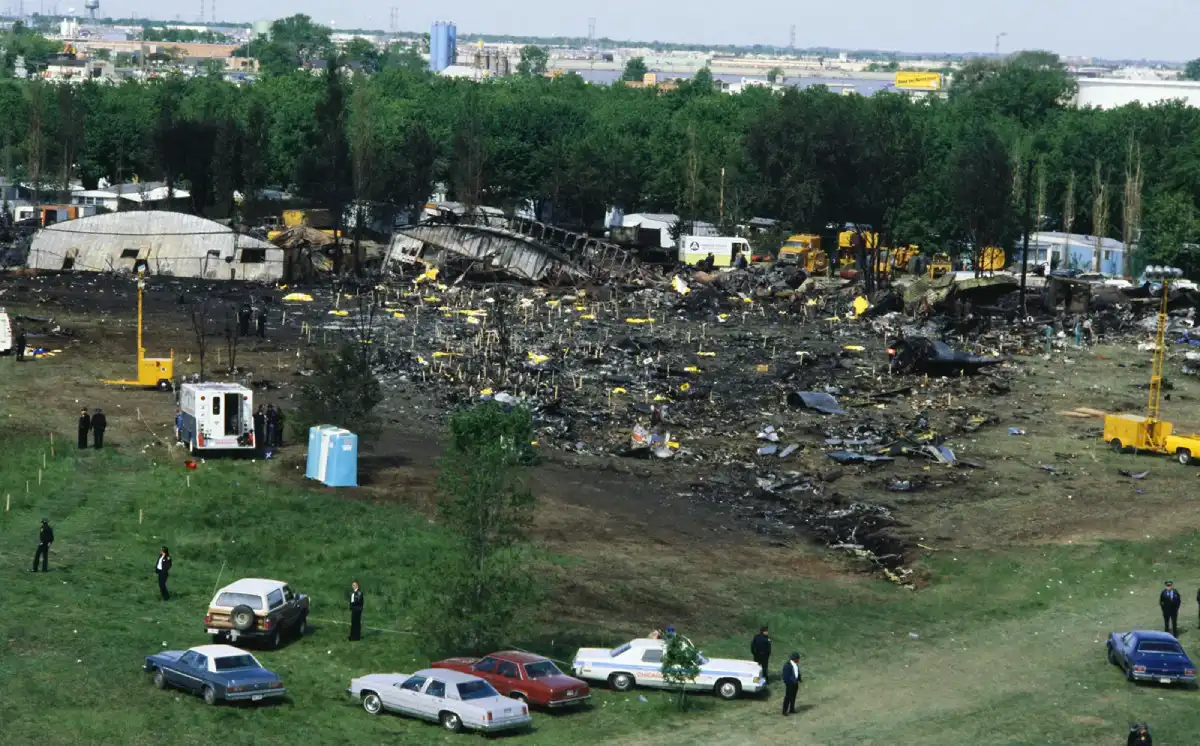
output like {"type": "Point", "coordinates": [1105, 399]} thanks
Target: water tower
{"type": "Point", "coordinates": [92, 6]}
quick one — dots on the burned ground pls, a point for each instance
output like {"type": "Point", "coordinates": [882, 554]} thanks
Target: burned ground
{"type": "Point", "coordinates": [739, 475]}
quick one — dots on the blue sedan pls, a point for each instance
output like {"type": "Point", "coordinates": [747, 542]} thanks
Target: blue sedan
{"type": "Point", "coordinates": [1146, 655]}
{"type": "Point", "coordinates": [215, 672]}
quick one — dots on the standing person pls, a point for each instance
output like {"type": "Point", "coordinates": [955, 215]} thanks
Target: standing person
{"type": "Point", "coordinates": [85, 426]}
{"type": "Point", "coordinates": [178, 425]}
{"type": "Point", "coordinates": [278, 428]}
{"type": "Point", "coordinates": [99, 425]}
{"type": "Point", "coordinates": [260, 322]}
{"type": "Point", "coordinates": [1169, 601]}
{"type": "Point", "coordinates": [45, 539]}
{"type": "Point", "coordinates": [356, 607]}
{"type": "Point", "coordinates": [243, 318]}
{"type": "Point", "coordinates": [260, 430]}
{"type": "Point", "coordinates": [272, 425]}
{"type": "Point", "coordinates": [760, 650]}
{"type": "Point", "coordinates": [163, 567]}
{"type": "Point", "coordinates": [791, 684]}
{"type": "Point", "coordinates": [20, 345]}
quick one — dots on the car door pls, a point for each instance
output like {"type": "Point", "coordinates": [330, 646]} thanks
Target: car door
{"type": "Point", "coordinates": [291, 606]}
{"type": "Point", "coordinates": [486, 670]}
{"type": "Point", "coordinates": [433, 699]}
{"type": "Point", "coordinates": [192, 674]}
{"type": "Point", "coordinates": [1125, 645]}
{"type": "Point", "coordinates": [181, 673]}
{"type": "Point", "coordinates": [649, 672]}
{"type": "Point", "coordinates": [275, 610]}
{"type": "Point", "coordinates": [403, 695]}
{"type": "Point", "coordinates": [506, 678]}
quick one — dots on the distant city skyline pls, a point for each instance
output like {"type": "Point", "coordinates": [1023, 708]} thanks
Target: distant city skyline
{"type": "Point", "coordinates": [1151, 29]}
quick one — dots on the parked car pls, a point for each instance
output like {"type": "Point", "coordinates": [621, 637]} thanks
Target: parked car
{"type": "Point", "coordinates": [639, 662]}
{"type": "Point", "coordinates": [456, 700]}
{"type": "Point", "coordinates": [253, 608]}
{"type": "Point", "coordinates": [215, 672]}
{"type": "Point", "coordinates": [524, 676]}
{"type": "Point", "coordinates": [1146, 655]}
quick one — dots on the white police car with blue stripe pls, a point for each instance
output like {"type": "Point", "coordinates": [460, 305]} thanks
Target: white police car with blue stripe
{"type": "Point", "coordinates": [639, 663]}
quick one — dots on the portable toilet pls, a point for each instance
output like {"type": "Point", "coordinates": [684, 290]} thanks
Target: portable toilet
{"type": "Point", "coordinates": [312, 469]}
{"type": "Point", "coordinates": [340, 459]}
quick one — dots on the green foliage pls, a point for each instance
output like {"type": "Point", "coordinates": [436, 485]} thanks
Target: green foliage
{"type": "Point", "coordinates": [294, 42]}
{"type": "Point", "coordinates": [775, 75]}
{"type": "Point", "coordinates": [1191, 71]}
{"type": "Point", "coordinates": [1171, 233]}
{"type": "Point", "coordinates": [183, 36]}
{"type": "Point", "coordinates": [21, 41]}
{"type": "Point", "coordinates": [485, 589]}
{"type": "Point", "coordinates": [635, 70]}
{"type": "Point", "coordinates": [533, 61]}
{"type": "Point", "coordinates": [680, 666]}
{"type": "Point", "coordinates": [363, 53]}
{"type": "Point", "coordinates": [342, 390]}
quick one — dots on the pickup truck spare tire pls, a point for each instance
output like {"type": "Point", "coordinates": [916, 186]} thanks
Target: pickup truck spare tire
{"type": "Point", "coordinates": [242, 617]}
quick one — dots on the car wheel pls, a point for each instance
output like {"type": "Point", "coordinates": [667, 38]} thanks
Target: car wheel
{"type": "Point", "coordinates": [1129, 673]}
{"type": "Point", "coordinates": [210, 695]}
{"type": "Point", "coordinates": [164, 385]}
{"type": "Point", "coordinates": [450, 722]}
{"type": "Point", "coordinates": [160, 679]}
{"type": "Point", "coordinates": [1116, 445]}
{"type": "Point", "coordinates": [193, 448]}
{"type": "Point", "coordinates": [276, 639]}
{"type": "Point", "coordinates": [242, 618]}
{"type": "Point", "coordinates": [621, 682]}
{"type": "Point", "coordinates": [1184, 456]}
{"type": "Point", "coordinates": [1112, 655]}
{"type": "Point", "coordinates": [519, 697]}
{"type": "Point", "coordinates": [728, 689]}
{"type": "Point", "coordinates": [218, 638]}
{"type": "Point", "coordinates": [302, 626]}
{"type": "Point", "coordinates": [372, 703]}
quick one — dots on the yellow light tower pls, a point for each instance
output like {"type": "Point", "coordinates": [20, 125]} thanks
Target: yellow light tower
{"type": "Point", "coordinates": [152, 372]}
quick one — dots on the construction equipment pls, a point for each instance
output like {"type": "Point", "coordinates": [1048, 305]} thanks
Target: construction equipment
{"type": "Point", "coordinates": [1126, 432]}
{"type": "Point", "coordinates": [156, 373]}
{"type": "Point", "coordinates": [991, 259]}
{"type": "Point", "coordinates": [804, 249]}
{"type": "Point", "coordinates": [940, 265]}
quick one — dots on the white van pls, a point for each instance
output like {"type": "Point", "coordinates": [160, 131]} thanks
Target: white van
{"type": "Point", "coordinates": [216, 417]}
{"type": "Point", "coordinates": [6, 333]}
{"type": "Point", "coordinates": [694, 249]}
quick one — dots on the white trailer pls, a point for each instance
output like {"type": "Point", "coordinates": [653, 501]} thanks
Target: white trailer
{"type": "Point", "coordinates": [695, 249]}
{"type": "Point", "coordinates": [216, 417]}
{"type": "Point", "coordinates": [7, 342]}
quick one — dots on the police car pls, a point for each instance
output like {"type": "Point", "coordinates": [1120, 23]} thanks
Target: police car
{"type": "Point", "coordinates": [216, 416]}
{"type": "Point", "coordinates": [639, 663]}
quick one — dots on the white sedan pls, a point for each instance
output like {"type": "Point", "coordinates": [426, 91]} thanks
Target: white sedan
{"type": "Point", "coordinates": [456, 700]}
{"type": "Point", "coordinates": [639, 663]}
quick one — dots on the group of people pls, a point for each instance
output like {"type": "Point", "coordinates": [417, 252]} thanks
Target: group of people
{"type": "Point", "coordinates": [760, 651]}
{"type": "Point", "coordinates": [268, 427]}
{"type": "Point", "coordinates": [245, 314]}
{"type": "Point", "coordinates": [95, 423]}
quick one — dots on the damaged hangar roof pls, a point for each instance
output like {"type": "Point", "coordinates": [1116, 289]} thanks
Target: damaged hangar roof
{"type": "Point", "coordinates": [170, 243]}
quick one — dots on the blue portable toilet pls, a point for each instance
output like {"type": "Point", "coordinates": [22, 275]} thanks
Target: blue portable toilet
{"type": "Point", "coordinates": [340, 459]}
{"type": "Point", "coordinates": [312, 469]}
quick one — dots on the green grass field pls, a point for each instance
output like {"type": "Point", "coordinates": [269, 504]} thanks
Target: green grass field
{"type": "Point", "coordinates": [1009, 646]}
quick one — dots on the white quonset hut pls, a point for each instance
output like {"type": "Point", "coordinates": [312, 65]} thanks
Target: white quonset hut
{"type": "Point", "coordinates": [167, 243]}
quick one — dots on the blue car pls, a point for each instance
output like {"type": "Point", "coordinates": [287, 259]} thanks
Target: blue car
{"type": "Point", "coordinates": [215, 672]}
{"type": "Point", "coordinates": [1145, 655]}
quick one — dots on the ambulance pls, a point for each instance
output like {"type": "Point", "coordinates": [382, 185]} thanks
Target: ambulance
{"type": "Point", "coordinates": [216, 417]}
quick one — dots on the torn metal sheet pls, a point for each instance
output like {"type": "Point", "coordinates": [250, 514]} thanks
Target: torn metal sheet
{"type": "Point", "coordinates": [822, 402]}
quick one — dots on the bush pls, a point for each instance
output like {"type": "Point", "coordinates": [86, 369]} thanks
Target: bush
{"type": "Point", "coordinates": [342, 391]}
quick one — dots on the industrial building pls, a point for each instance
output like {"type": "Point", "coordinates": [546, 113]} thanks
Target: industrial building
{"type": "Point", "coordinates": [1113, 93]}
{"type": "Point", "coordinates": [443, 45]}
{"type": "Point", "coordinates": [1075, 251]}
{"type": "Point", "coordinates": [165, 243]}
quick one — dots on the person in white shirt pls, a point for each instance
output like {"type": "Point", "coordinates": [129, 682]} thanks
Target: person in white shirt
{"type": "Point", "coordinates": [356, 607]}
{"type": "Point", "coordinates": [163, 567]}
{"type": "Point", "coordinates": [791, 684]}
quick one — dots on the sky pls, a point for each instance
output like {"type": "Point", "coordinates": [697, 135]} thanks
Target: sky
{"type": "Point", "coordinates": [1114, 29]}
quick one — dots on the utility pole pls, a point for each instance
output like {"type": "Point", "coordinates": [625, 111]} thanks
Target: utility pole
{"type": "Point", "coordinates": [792, 39]}
{"type": "Point", "coordinates": [722, 208]}
{"type": "Point", "coordinates": [394, 18]}
{"type": "Point", "coordinates": [998, 37]}
{"type": "Point", "coordinates": [1028, 184]}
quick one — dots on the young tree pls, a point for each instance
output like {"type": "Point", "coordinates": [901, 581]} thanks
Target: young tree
{"type": "Point", "coordinates": [343, 389]}
{"type": "Point", "coordinates": [484, 588]}
{"type": "Point", "coordinates": [680, 666]}
{"type": "Point", "coordinates": [775, 75]}
{"type": "Point", "coordinates": [198, 313]}
{"type": "Point", "coordinates": [1191, 71]}
{"type": "Point", "coordinates": [533, 61]}
{"type": "Point", "coordinates": [635, 70]}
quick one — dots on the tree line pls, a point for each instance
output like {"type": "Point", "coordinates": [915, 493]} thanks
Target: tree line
{"type": "Point", "coordinates": [1004, 153]}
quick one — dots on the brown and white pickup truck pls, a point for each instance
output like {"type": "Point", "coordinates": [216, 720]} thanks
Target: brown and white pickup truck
{"type": "Point", "coordinates": [253, 608]}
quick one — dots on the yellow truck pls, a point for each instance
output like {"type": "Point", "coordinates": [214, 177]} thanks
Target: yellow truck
{"type": "Point", "coordinates": [804, 249]}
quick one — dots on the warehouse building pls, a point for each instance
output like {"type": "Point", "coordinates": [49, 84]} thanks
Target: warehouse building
{"type": "Point", "coordinates": [163, 243]}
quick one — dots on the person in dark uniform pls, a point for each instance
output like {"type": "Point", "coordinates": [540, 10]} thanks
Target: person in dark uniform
{"type": "Point", "coordinates": [45, 539]}
{"type": "Point", "coordinates": [163, 567]}
{"type": "Point", "coordinates": [278, 428]}
{"type": "Point", "coordinates": [707, 263]}
{"type": "Point", "coordinates": [244, 320]}
{"type": "Point", "coordinates": [356, 607]}
{"type": "Point", "coordinates": [1169, 602]}
{"type": "Point", "coordinates": [178, 425]}
{"type": "Point", "coordinates": [260, 322]}
{"type": "Point", "coordinates": [85, 426]}
{"type": "Point", "coordinates": [20, 345]}
{"type": "Point", "coordinates": [760, 651]}
{"type": "Point", "coordinates": [1139, 735]}
{"type": "Point", "coordinates": [272, 425]}
{"type": "Point", "coordinates": [260, 429]}
{"type": "Point", "coordinates": [791, 684]}
{"type": "Point", "coordinates": [99, 425]}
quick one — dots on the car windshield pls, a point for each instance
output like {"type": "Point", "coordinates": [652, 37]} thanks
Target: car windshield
{"type": "Point", "coordinates": [617, 651]}
{"type": "Point", "coordinates": [476, 690]}
{"type": "Point", "coordinates": [239, 599]}
{"type": "Point", "coordinates": [541, 670]}
{"type": "Point", "coordinates": [1168, 648]}
{"type": "Point", "coordinates": [230, 662]}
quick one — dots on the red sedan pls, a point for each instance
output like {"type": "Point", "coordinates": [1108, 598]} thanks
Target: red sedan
{"type": "Point", "coordinates": [530, 678]}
